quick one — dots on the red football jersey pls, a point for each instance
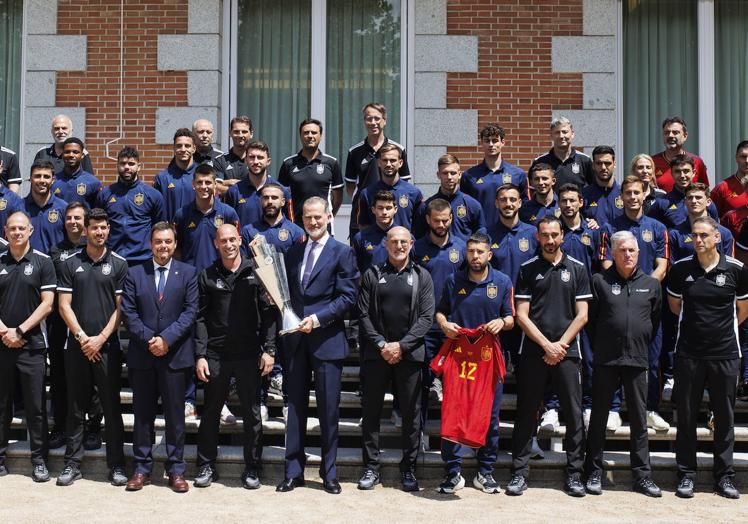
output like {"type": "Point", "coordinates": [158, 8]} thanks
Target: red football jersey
{"type": "Point", "coordinates": [471, 365]}
{"type": "Point", "coordinates": [664, 175]}
{"type": "Point", "coordinates": [729, 194]}
{"type": "Point", "coordinates": [734, 220]}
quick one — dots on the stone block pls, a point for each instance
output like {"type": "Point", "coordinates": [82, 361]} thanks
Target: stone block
{"type": "Point", "coordinates": [169, 119]}
{"type": "Point", "coordinates": [56, 53]}
{"type": "Point", "coordinates": [583, 54]}
{"type": "Point", "coordinates": [41, 17]}
{"type": "Point", "coordinates": [40, 88]}
{"type": "Point", "coordinates": [38, 123]}
{"type": "Point", "coordinates": [431, 90]}
{"type": "Point", "coordinates": [445, 127]}
{"type": "Point", "coordinates": [592, 127]}
{"type": "Point", "coordinates": [204, 16]}
{"type": "Point", "coordinates": [599, 90]}
{"type": "Point", "coordinates": [189, 52]}
{"type": "Point", "coordinates": [431, 17]}
{"type": "Point", "coordinates": [451, 53]}
{"type": "Point", "coordinates": [424, 167]}
{"type": "Point", "coordinates": [600, 17]}
{"type": "Point", "coordinates": [203, 88]}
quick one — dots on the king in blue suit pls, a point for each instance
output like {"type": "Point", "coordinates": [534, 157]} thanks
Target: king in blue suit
{"type": "Point", "coordinates": [159, 307]}
{"type": "Point", "coordinates": [323, 282]}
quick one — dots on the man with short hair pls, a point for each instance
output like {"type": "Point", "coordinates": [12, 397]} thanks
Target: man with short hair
{"type": "Point", "coordinates": [27, 289]}
{"type": "Point", "coordinates": [72, 182]}
{"type": "Point", "coordinates": [731, 192]}
{"type": "Point", "coordinates": [602, 198]}
{"type": "Point", "coordinates": [46, 211]}
{"type": "Point", "coordinates": [278, 230]}
{"type": "Point", "coordinates": [674, 136]}
{"type": "Point", "coordinates": [10, 174]}
{"type": "Point", "coordinates": [570, 166]}
{"type": "Point", "coordinates": [62, 129]}
{"type": "Point", "coordinates": [231, 166]}
{"type": "Point", "coordinates": [175, 182]}
{"type": "Point", "coordinates": [697, 203]}
{"type": "Point", "coordinates": [89, 288]}
{"type": "Point", "coordinates": [311, 172]}
{"type": "Point", "coordinates": [10, 202]}
{"type": "Point", "coordinates": [482, 180]}
{"type": "Point", "coordinates": [708, 292]}
{"type": "Point", "coordinates": [543, 201]}
{"type": "Point", "coordinates": [205, 153]}
{"type": "Point", "coordinates": [132, 207]}
{"type": "Point", "coordinates": [369, 244]}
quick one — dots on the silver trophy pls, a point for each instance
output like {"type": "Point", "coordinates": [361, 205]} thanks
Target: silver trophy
{"type": "Point", "coordinates": [271, 270]}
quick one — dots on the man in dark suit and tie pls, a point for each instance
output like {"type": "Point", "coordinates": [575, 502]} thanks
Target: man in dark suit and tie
{"type": "Point", "coordinates": [159, 308]}
{"type": "Point", "coordinates": [323, 279]}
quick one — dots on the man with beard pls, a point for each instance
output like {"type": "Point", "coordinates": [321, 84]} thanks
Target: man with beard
{"type": "Point", "coordinates": [62, 129]}
{"type": "Point", "coordinates": [569, 165]}
{"type": "Point", "coordinates": [132, 207]}
{"type": "Point", "coordinates": [244, 196]}
{"type": "Point", "coordinates": [175, 182]}
{"type": "Point", "coordinates": [602, 198]}
{"type": "Point", "coordinates": [369, 243]}
{"type": "Point", "coordinates": [72, 182]}
{"type": "Point", "coordinates": [731, 193]}
{"type": "Point", "coordinates": [674, 135]}
{"type": "Point", "coordinates": [205, 153]}
{"type": "Point", "coordinates": [310, 172]}
{"type": "Point", "coordinates": [45, 210]}
{"type": "Point", "coordinates": [231, 166]}
{"type": "Point", "coordinates": [543, 201]}
{"type": "Point", "coordinates": [552, 293]}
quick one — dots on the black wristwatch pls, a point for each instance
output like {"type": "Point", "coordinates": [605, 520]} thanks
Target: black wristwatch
{"type": "Point", "coordinates": [20, 331]}
{"type": "Point", "coordinates": [270, 352]}
{"type": "Point", "coordinates": [381, 344]}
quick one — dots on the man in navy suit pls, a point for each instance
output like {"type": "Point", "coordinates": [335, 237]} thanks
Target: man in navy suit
{"type": "Point", "coordinates": [159, 308]}
{"type": "Point", "coordinates": [323, 279]}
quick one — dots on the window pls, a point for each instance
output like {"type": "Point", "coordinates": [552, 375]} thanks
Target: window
{"type": "Point", "coordinates": [321, 58]}
{"type": "Point", "coordinates": [11, 27]}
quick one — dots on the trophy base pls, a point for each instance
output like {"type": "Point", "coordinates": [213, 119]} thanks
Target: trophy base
{"type": "Point", "coordinates": [290, 322]}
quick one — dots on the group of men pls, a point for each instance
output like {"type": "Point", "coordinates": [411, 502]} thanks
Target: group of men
{"type": "Point", "coordinates": [564, 266]}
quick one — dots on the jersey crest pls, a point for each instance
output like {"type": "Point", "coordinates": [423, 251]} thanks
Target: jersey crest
{"type": "Point", "coordinates": [461, 211]}
{"type": "Point", "coordinates": [80, 189]}
{"type": "Point", "coordinates": [575, 168]}
{"type": "Point", "coordinates": [283, 235]}
{"type": "Point", "coordinates": [492, 291]}
{"type": "Point", "coordinates": [139, 199]}
{"type": "Point", "coordinates": [506, 179]}
{"type": "Point", "coordinates": [218, 221]}
{"type": "Point", "coordinates": [28, 269]}
{"type": "Point", "coordinates": [586, 240]}
{"type": "Point", "coordinates": [320, 169]}
{"type": "Point", "coordinates": [454, 256]}
{"type": "Point", "coordinates": [485, 353]}
{"type": "Point", "coordinates": [3, 204]}
{"type": "Point", "coordinates": [106, 268]}
{"type": "Point", "coordinates": [524, 244]}
{"type": "Point", "coordinates": [720, 280]}
{"type": "Point", "coordinates": [53, 216]}
{"type": "Point", "coordinates": [619, 202]}
{"type": "Point", "coordinates": [647, 235]}
{"type": "Point", "coordinates": [565, 275]}
{"type": "Point", "coordinates": [404, 201]}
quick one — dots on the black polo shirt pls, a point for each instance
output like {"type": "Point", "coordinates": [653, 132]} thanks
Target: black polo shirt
{"type": "Point", "coordinates": [49, 154]}
{"type": "Point", "coordinates": [9, 171]}
{"type": "Point", "coordinates": [395, 291]}
{"type": "Point", "coordinates": [207, 158]}
{"type": "Point", "coordinates": [553, 292]}
{"type": "Point", "coordinates": [307, 179]}
{"type": "Point", "coordinates": [21, 285]}
{"type": "Point", "coordinates": [577, 169]}
{"type": "Point", "coordinates": [362, 168]}
{"type": "Point", "coordinates": [64, 250]}
{"type": "Point", "coordinates": [94, 286]}
{"type": "Point", "coordinates": [707, 327]}
{"type": "Point", "coordinates": [230, 166]}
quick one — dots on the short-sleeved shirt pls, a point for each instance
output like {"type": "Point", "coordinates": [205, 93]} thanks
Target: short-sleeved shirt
{"type": "Point", "coordinates": [650, 234]}
{"type": "Point", "coordinates": [681, 241]}
{"type": "Point", "coordinates": [48, 222]}
{"type": "Point", "coordinates": [175, 185]}
{"type": "Point", "coordinates": [21, 285]}
{"type": "Point", "coordinates": [553, 292]}
{"type": "Point", "coordinates": [533, 211]}
{"type": "Point", "coordinates": [708, 325]}
{"type": "Point", "coordinates": [282, 235]}
{"type": "Point", "coordinates": [512, 247]}
{"type": "Point", "coordinates": [9, 204]}
{"type": "Point", "coordinates": [94, 286]}
{"type": "Point", "coordinates": [80, 186]}
{"type": "Point", "coordinates": [470, 304]}
{"type": "Point", "coordinates": [230, 166]}
{"type": "Point", "coordinates": [362, 168]}
{"type": "Point", "coordinates": [64, 250]}
{"type": "Point", "coordinates": [196, 232]}
{"type": "Point", "coordinates": [577, 169]}
{"type": "Point", "coordinates": [10, 173]}
{"type": "Point", "coordinates": [671, 209]}
{"type": "Point", "coordinates": [408, 200]}
{"type": "Point", "coordinates": [50, 155]}
{"type": "Point", "coordinates": [306, 179]}
{"type": "Point", "coordinates": [208, 157]}
{"type": "Point", "coordinates": [368, 245]}
{"type": "Point", "coordinates": [246, 201]}
{"type": "Point", "coordinates": [729, 194]}
{"type": "Point", "coordinates": [467, 215]}
{"type": "Point", "coordinates": [664, 175]}
{"type": "Point", "coordinates": [440, 261]}
{"type": "Point", "coordinates": [583, 244]}
{"type": "Point", "coordinates": [602, 204]}
{"type": "Point", "coordinates": [481, 183]}
{"type": "Point", "coordinates": [132, 210]}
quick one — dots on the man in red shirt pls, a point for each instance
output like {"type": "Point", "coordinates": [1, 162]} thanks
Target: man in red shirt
{"type": "Point", "coordinates": [674, 135]}
{"type": "Point", "coordinates": [730, 193]}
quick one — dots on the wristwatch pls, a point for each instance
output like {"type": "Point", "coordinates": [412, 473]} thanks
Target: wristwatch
{"type": "Point", "coordinates": [270, 351]}
{"type": "Point", "coordinates": [381, 344]}
{"type": "Point", "coordinates": [20, 331]}
{"type": "Point", "coordinates": [79, 334]}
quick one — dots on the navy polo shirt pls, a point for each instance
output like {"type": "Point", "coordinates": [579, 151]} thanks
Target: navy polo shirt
{"type": "Point", "coordinates": [368, 245]}
{"type": "Point", "coordinates": [245, 200]}
{"type": "Point", "coordinates": [532, 211]}
{"type": "Point", "coordinates": [308, 178]}
{"type": "Point", "coordinates": [282, 235]}
{"type": "Point", "coordinates": [582, 244]}
{"type": "Point", "coordinates": [80, 186]}
{"type": "Point", "coordinates": [408, 200]}
{"type": "Point", "coordinates": [681, 242]}
{"type": "Point", "coordinates": [48, 222]}
{"type": "Point", "coordinates": [196, 232]}
{"type": "Point", "coordinates": [9, 204]}
{"type": "Point", "coordinates": [671, 209]}
{"type": "Point", "coordinates": [577, 169]}
{"type": "Point", "coordinates": [512, 247]}
{"type": "Point", "coordinates": [470, 304]}
{"type": "Point", "coordinates": [440, 262]}
{"type": "Point", "coordinates": [467, 216]}
{"type": "Point", "coordinates": [481, 183]}
{"type": "Point", "coordinates": [650, 234]}
{"type": "Point", "coordinates": [175, 185]}
{"type": "Point", "coordinates": [132, 210]}
{"type": "Point", "coordinates": [602, 204]}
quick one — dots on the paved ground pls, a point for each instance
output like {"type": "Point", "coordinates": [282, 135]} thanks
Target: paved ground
{"type": "Point", "coordinates": [92, 500]}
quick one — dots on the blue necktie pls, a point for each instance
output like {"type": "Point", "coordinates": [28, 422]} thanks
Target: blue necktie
{"type": "Point", "coordinates": [308, 265]}
{"type": "Point", "coordinates": [161, 283]}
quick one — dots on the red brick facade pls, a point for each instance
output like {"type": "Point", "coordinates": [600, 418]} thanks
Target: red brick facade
{"type": "Point", "coordinates": [514, 85]}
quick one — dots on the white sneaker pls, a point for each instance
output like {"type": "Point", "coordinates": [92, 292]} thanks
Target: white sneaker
{"type": "Point", "coordinates": [397, 420]}
{"type": "Point", "coordinates": [227, 417]}
{"type": "Point", "coordinates": [189, 411]}
{"type": "Point", "coordinates": [285, 414]}
{"type": "Point", "coordinates": [549, 420]}
{"type": "Point", "coordinates": [614, 421]}
{"type": "Point", "coordinates": [264, 412]}
{"type": "Point", "coordinates": [586, 414]}
{"type": "Point", "coordinates": [656, 422]}
{"type": "Point", "coordinates": [667, 390]}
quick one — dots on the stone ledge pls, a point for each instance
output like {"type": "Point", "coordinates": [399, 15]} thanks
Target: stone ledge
{"type": "Point", "coordinates": [56, 53]}
{"type": "Point", "coordinates": [445, 127]}
{"type": "Point", "coordinates": [188, 52]}
{"type": "Point", "coordinates": [450, 53]}
{"type": "Point", "coordinates": [583, 54]}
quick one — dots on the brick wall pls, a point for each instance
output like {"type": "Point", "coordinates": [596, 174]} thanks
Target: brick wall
{"type": "Point", "coordinates": [514, 85]}
{"type": "Point", "coordinates": [97, 88]}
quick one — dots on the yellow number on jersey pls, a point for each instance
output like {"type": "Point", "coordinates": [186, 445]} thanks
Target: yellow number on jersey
{"type": "Point", "coordinates": [470, 367]}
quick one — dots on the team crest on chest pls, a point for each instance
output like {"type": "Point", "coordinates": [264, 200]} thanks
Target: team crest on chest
{"type": "Point", "coordinates": [106, 268]}
{"type": "Point", "coordinates": [28, 269]}
{"type": "Point", "coordinates": [53, 216]}
{"type": "Point", "coordinates": [557, 212]}
{"type": "Point", "coordinates": [615, 289]}
{"type": "Point", "coordinates": [575, 168]}
{"type": "Point", "coordinates": [565, 275]}
{"type": "Point", "coordinates": [3, 204]}
{"type": "Point", "coordinates": [461, 211]}
{"type": "Point", "coordinates": [647, 235]}
{"type": "Point", "coordinates": [283, 235]}
{"type": "Point", "coordinates": [80, 189]}
{"type": "Point", "coordinates": [485, 353]}
{"type": "Point", "coordinates": [404, 201]}
{"type": "Point", "coordinates": [454, 256]}
{"type": "Point", "coordinates": [492, 291]}
{"type": "Point", "coordinates": [320, 169]}
{"type": "Point", "coordinates": [720, 280]}
{"type": "Point", "coordinates": [619, 202]}
{"type": "Point", "coordinates": [139, 199]}
{"type": "Point", "coordinates": [219, 284]}
{"type": "Point", "coordinates": [506, 179]}
{"type": "Point", "coordinates": [218, 221]}
{"type": "Point", "coordinates": [586, 240]}
{"type": "Point", "coordinates": [524, 244]}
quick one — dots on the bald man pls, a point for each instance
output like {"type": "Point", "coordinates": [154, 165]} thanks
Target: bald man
{"type": "Point", "coordinates": [205, 153]}
{"type": "Point", "coordinates": [62, 129]}
{"type": "Point", "coordinates": [393, 350]}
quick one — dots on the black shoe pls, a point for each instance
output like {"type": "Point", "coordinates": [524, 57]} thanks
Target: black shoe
{"type": "Point", "coordinates": [725, 488]}
{"type": "Point", "coordinates": [409, 481]}
{"type": "Point", "coordinates": [536, 452]}
{"type": "Point", "coordinates": [289, 484]}
{"type": "Point", "coordinates": [368, 480]}
{"type": "Point", "coordinates": [68, 475]}
{"type": "Point", "coordinates": [117, 476]}
{"type": "Point", "coordinates": [517, 485]}
{"type": "Point", "coordinates": [486, 483]}
{"type": "Point", "coordinates": [594, 484]}
{"type": "Point", "coordinates": [646, 486]}
{"type": "Point", "coordinates": [56, 439]}
{"type": "Point", "coordinates": [332, 486]}
{"type": "Point", "coordinates": [206, 476]}
{"type": "Point", "coordinates": [742, 392]}
{"type": "Point", "coordinates": [92, 440]}
{"type": "Point", "coordinates": [685, 488]}
{"type": "Point", "coordinates": [451, 484]}
{"type": "Point", "coordinates": [40, 473]}
{"type": "Point", "coordinates": [3, 470]}
{"type": "Point", "coordinates": [251, 479]}
{"type": "Point", "coordinates": [573, 486]}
